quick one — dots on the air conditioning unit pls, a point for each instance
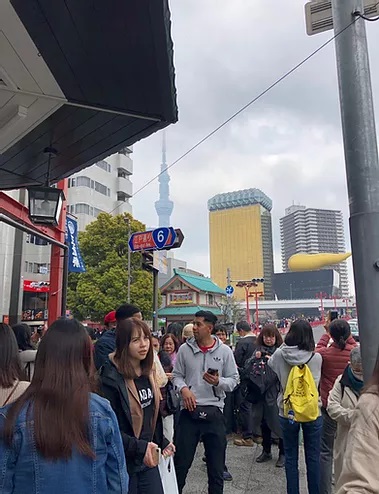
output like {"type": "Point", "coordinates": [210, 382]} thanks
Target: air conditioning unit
{"type": "Point", "coordinates": [319, 16]}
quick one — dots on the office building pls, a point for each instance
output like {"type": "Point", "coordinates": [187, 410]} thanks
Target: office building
{"type": "Point", "coordinates": [312, 231]}
{"type": "Point", "coordinates": [103, 187]}
{"type": "Point", "coordinates": [305, 284]}
{"type": "Point", "coordinates": [240, 237]}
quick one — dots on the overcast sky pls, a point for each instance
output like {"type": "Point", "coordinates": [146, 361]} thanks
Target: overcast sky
{"type": "Point", "coordinates": [289, 144]}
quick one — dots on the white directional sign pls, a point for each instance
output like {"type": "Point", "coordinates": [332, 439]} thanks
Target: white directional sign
{"type": "Point", "coordinates": [319, 17]}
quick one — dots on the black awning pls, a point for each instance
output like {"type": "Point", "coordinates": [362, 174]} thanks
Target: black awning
{"type": "Point", "coordinates": [113, 55]}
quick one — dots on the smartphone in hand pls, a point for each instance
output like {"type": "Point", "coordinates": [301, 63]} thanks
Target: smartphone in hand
{"type": "Point", "coordinates": [157, 455]}
{"type": "Point", "coordinates": [212, 372]}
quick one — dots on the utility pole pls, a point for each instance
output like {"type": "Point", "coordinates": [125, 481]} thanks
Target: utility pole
{"type": "Point", "coordinates": [362, 168]}
{"type": "Point", "coordinates": [129, 261]}
{"type": "Point", "coordinates": [228, 311]}
{"type": "Point", "coordinates": [128, 222]}
{"type": "Point", "coordinates": [155, 300]}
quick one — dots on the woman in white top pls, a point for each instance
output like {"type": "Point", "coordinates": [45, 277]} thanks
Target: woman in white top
{"type": "Point", "coordinates": [11, 385]}
{"type": "Point", "coordinates": [27, 350]}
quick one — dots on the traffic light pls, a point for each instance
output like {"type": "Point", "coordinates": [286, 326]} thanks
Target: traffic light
{"type": "Point", "coordinates": [258, 280]}
{"type": "Point", "coordinates": [148, 260]}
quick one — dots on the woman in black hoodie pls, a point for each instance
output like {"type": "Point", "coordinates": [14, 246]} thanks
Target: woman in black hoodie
{"type": "Point", "coordinates": [128, 382]}
{"type": "Point", "coordinates": [266, 412]}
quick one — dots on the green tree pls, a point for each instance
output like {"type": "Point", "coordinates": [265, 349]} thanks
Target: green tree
{"type": "Point", "coordinates": [104, 285]}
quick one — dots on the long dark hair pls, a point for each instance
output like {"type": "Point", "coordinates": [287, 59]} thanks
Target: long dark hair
{"type": "Point", "coordinates": [124, 335]}
{"type": "Point", "coordinates": [58, 396]}
{"type": "Point", "coordinates": [175, 328]}
{"type": "Point", "coordinates": [339, 330]}
{"type": "Point", "coordinates": [23, 336]}
{"type": "Point", "coordinates": [10, 366]}
{"type": "Point", "coordinates": [270, 330]}
{"type": "Point", "coordinates": [301, 335]}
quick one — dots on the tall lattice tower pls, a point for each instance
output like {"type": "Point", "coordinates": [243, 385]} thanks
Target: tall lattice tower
{"type": "Point", "coordinates": [164, 206]}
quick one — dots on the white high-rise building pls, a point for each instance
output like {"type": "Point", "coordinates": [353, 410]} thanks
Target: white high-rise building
{"type": "Point", "coordinates": [311, 231]}
{"type": "Point", "coordinates": [103, 187]}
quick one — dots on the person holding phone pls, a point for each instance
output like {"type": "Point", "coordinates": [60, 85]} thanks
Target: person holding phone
{"type": "Point", "coordinates": [204, 372]}
{"type": "Point", "coordinates": [127, 380]}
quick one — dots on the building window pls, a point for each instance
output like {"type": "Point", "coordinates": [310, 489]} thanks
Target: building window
{"type": "Point", "coordinates": [37, 268]}
{"type": "Point", "coordinates": [210, 299]}
{"type": "Point", "coordinates": [122, 173]}
{"type": "Point", "coordinates": [91, 184]}
{"type": "Point", "coordinates": [33, 239]}
{"type": "Point", "coordinates": [82, 209]}
{"type": "Point", "coordinates": [122, 197]}
{"type": "Point", "coordinates": [83, 182]}
{"type": "Point", "coordinates": [104, 165]}
{"type": "Point", "coordinates": [102, 189]}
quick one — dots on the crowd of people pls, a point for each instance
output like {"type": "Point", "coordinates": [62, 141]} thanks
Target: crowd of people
{"type": "Point", "coordinates": [109, 413]}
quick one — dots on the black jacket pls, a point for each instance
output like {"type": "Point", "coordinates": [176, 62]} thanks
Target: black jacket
{"type": "Point", "coordinates": [104, 346]}
{"type": "Point", "coordinates": [244, 350]}
{"type": "Point", "coordinates": [113, 388]}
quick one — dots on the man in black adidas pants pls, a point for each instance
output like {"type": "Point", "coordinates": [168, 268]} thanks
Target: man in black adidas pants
{"type": "Point", "coordinates": [213, 434]}
{"type": "Point", "coordinates": [204, 371]}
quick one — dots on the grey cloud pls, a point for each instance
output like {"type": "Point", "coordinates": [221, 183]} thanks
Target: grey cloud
{"type": "Point", "coordinates": [289, 143]}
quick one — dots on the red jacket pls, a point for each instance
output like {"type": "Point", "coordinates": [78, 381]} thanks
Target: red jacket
{"type": "Point", "coordinates": [334, 362]}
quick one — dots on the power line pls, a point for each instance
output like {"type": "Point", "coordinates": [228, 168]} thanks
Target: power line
{"type": "Point", "coordinates": [370, 19]}
{"type": "Point", "coordinates": [241, 110]}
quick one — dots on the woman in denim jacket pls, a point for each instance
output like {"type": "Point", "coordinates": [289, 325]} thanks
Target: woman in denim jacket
{"type": "Point", "coordinates": [58, 437]}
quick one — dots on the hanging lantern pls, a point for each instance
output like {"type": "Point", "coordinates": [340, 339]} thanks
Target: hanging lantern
{"type": "Point", "coordinates": [45, 205]}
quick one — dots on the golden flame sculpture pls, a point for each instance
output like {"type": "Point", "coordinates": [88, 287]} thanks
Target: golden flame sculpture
{"type": "Point", "coordinates": [311, 262]}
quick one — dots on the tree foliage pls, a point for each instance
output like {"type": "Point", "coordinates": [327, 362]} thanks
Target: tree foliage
{"type": "Point", "coordinates": [232, 312]}
{"type": "Point", "coordinates": [104, 285]}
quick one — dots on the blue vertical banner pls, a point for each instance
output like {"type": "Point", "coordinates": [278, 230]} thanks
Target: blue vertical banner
{"type": "Point", "coordinates": [75, 261]}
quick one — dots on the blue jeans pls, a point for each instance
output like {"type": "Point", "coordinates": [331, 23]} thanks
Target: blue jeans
{"type": "Point", "coordinates": [312, 442]}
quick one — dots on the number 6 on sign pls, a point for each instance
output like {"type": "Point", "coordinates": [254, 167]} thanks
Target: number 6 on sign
{"type": "Point", "coordinates": [160, 237]}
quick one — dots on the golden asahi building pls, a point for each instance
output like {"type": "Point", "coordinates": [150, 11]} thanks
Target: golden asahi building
{"type": "Point", "coordinates": [240, 238]}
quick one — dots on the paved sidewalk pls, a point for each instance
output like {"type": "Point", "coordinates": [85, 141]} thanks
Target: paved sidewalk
{"type": "Point", "coordinates": [248, 476]}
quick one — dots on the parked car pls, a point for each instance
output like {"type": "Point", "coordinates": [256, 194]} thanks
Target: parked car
{"type": "Point", "coordinates": [354, 329]}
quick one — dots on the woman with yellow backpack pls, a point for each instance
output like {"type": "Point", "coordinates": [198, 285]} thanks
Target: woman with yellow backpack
{"type": "Point", "coordinates": [298, 368]}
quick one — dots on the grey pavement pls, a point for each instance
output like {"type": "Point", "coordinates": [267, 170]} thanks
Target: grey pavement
{"type": "Point", "coordinates": [248, 476]}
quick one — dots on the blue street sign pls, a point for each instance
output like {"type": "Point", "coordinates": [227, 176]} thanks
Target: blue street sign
{"type": "Point", "coordinates": [160, 238]}
{"type": "Point", "coordinates": [229, 290]}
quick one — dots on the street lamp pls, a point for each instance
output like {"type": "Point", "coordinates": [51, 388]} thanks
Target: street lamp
{"type": "Point", "coordinates": [247, 285]}
{"type": "Point", "coordinates": [45, 205]}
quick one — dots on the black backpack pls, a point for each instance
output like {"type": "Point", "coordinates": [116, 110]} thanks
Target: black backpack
{"type": "Point", "coordinates": [256, 379]}
{"type": "Point", "coordinates": [172, 398]}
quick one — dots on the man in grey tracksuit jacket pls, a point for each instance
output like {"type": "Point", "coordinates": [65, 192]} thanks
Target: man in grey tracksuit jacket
{"type": "Point", "coordinates": [201, 414]}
